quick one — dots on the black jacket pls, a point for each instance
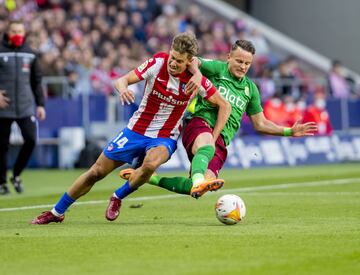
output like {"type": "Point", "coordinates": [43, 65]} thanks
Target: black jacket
{"type": "Point", "coordinates": [20, 77]}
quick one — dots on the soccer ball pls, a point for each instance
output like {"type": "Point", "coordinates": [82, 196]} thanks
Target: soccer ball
{"type": "Point", "coordinates": [230, 209]}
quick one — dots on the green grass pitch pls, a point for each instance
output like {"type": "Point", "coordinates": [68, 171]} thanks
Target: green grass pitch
{"type": "Point", "coordinates": [303, 220]}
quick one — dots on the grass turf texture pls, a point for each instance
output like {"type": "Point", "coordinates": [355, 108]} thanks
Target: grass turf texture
{"type": "Point", "coordinates": [290, 230]}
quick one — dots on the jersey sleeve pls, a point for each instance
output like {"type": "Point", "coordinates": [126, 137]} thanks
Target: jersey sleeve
{"type": "Point", "coordinates": [207, 89]}
{"type": "Point", "coordinates": [210, 67]}
{"type": "Point", "coordinates": [148, 69]}
{"type": "Point", "coordinates": [254, 106]}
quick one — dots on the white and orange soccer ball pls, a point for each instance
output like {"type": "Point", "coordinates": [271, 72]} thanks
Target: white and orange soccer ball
{"type": "Point", "coordinates": [230, 209]}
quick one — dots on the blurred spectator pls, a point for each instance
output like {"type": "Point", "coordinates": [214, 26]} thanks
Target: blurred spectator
{"type": "Point", "coordinates": [266, 84]}
{"type": "Point", "coordinates": [220, 44]}
{"type": "Point", "coordinates": [137, 22]}
{"type": "Point", "coordinates": [292, 111]}
{"type": "Point", "coordinates": [305, 86]}
{"type": "Point", "coordinates": [101, 82]}
{"type": "Point", "coordinates": [339, 86]}
{"type": "Point", "coordinates": [284, 111]}
{"type": "Point", "coordinates": [260, 43]}
{"type": "Point", "coordinates": [262, 56]}
{"type": "Point", "coordinates": [286, 81]}
{"type": "Point", "coordinates": [317, 112]}
{"type": "Point", "coordinates": [274, 110]}
{"type": "Point", "coordinates": [80, 73]}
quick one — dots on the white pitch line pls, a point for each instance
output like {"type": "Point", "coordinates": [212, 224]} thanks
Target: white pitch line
{"type": "Point", "coordinates": [240, 189]}
{"type": "Point", "coordinates": [297, 184]}
{"type": "Point", "coordinates": [309, 194]}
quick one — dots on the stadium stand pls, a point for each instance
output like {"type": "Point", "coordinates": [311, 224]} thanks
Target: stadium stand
{"type": "Point", "coordinates": [92, 42]}
{"type": "Point", "coordinates": [84, 45]}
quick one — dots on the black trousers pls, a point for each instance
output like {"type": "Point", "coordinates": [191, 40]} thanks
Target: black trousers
{"type": "Point", "coordinates": [28, 127]}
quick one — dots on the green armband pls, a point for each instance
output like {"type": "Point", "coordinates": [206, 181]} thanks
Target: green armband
{"type": "Point", "coordinates": [287, 132]}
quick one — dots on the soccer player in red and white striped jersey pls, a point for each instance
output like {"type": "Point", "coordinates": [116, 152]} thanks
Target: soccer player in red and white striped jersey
{"type": "Point", "coordinates": [165, 99]}
{"type": "Point", "coordinates": [153, 129]}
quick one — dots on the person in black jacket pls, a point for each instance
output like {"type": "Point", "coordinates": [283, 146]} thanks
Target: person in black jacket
{"type": "Point", "coordinates": [20, 96]}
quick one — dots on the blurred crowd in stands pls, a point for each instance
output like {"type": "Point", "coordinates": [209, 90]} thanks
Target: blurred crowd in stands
{"type": "Point", "coordinates": [93, 42]}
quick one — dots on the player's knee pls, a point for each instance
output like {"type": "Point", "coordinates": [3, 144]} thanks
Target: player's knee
{"type": "Point", "coordinates": [96, 173]}
{"type": "Point", "coordinates": [204, 139]}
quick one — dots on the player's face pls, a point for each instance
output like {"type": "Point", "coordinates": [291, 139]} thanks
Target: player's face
{"type": "Point", "coordinates": [239, 62]}
{"type": "Point", "coordinates": [177, 62]}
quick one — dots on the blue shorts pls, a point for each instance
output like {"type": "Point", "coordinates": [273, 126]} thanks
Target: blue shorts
{"type": "Point", "coordinates": [128, 145]}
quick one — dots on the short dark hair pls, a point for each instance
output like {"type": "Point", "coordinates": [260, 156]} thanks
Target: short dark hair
{"type": "Point", "coordinates": [15, 22]}
{"type": "Point", "coordinates": [185, 43]}
{"type": "Point", "coordinates": [245, 45]}
{"type": "Point", "coordinates": [336, 63]}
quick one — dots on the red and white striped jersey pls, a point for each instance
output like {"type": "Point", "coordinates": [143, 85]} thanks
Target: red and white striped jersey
{"type": "Point", "coordinates": [164, 102]}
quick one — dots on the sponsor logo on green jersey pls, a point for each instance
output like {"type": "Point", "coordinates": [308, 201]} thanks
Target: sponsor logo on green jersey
{"type": "Point", "coordinates": [233, 99]}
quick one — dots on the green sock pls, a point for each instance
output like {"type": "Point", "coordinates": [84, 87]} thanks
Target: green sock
{"type": "Point", "coordinates": [200, 162]}
{"type": "Point", "coordinates": [154, 179]}
{"type": "Point", "coordinates": [178, 185]}
{"type": "Point", "coordinates": [183, 185]}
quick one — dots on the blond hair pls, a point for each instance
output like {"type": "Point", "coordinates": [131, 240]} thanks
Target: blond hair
{"type": "Point", "coordinates": [185, 43]}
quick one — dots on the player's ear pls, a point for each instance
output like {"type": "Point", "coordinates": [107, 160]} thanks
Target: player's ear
{"type": "Point", "coordinates": [188, 61]}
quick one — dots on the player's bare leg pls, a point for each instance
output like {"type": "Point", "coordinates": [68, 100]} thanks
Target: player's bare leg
{"type": "Point", "coordinates": [100, 169]}
{"type": "Point", "coordinates": [82, 185]}
{"type": "Point", "coordinates": [201, 182]}
{"type": "Point", "coordinates": [153, 159]}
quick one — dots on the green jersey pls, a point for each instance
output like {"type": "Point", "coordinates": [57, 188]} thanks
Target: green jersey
{"type": "Point", "coordinates": [243, 95]}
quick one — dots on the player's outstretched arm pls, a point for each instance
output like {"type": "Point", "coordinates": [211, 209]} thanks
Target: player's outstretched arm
{"type": "Point", "coordinates": [265, 126]}
{"type": "Point", "coordinates": [121, 86]}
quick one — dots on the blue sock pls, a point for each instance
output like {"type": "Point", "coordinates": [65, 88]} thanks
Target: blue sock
{"type": "Point", "coordinates": [64, 203]}
{"type": "Point", "coordinates": [124, 190]}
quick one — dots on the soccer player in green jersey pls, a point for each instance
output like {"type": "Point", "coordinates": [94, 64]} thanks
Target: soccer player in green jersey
{"type": "Point", "coordinates": [207, 155]}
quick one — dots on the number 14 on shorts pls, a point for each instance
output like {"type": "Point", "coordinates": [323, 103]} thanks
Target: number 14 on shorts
{"type": "Point", "coordinates": [120, 140]}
